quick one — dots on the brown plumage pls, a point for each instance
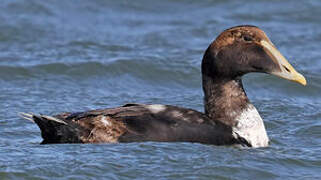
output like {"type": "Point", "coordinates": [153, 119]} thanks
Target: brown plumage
{"type": "Point", "coordinates": [227, 119]}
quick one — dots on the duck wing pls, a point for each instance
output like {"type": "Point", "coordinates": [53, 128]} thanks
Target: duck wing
{"type": "Point", "coordinates": [133, 123]}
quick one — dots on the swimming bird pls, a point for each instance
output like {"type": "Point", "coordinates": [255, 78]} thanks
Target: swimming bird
{"type": "Point", "coordinates": [229, 117]}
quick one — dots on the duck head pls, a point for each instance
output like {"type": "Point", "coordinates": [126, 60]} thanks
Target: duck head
{"type": "Point", "coordinates": [244, 49]}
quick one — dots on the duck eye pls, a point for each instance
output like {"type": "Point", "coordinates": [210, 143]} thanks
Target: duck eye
{"type": "Point", "coordinates": [247, 38]}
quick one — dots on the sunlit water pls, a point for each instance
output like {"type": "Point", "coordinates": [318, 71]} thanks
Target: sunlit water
{"type": "Point", "coordinates": [60, 56]}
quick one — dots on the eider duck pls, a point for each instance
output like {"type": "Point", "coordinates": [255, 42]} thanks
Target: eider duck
{"type": "Point", "coordinates": [229, 118]}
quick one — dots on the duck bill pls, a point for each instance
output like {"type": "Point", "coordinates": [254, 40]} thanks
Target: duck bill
{"type": "Point", "coordinates": [285, 69]}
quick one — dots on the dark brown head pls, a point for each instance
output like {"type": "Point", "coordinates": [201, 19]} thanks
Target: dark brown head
{"type": "Point", "coordinates": [243, 49]}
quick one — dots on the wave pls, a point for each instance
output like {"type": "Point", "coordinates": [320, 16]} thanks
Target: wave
{"type": "Point", "coordinates": [142, 69]}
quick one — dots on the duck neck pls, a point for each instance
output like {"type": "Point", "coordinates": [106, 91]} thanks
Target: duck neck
{"type": "Point", "coordinates": [224, 99]}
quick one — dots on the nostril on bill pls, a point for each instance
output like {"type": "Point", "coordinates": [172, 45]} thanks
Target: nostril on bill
{"type": "Point", "coordinates": [288, 70]}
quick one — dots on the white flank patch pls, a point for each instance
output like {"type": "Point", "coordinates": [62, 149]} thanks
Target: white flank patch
{"type": "Point", "coordinates": [105, 121]}
{"type": "Point", "coordinates": [156, 108]}
{"type": "Point", "coordinates": [251, 127]}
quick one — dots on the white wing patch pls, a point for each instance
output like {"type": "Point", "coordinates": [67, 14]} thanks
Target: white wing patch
{"type": "Point", "coordinates": [105, 121]}
{"type": "Point", "coordinates": [251, 127]}
{"type": "Point", "coordinates": [156, 108]}
{"type": "Point", "coordinates": [177, 114]}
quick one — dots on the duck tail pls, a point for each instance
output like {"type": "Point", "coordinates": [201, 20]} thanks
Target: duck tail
{"type": "Point", "coordinates": [53, 130]}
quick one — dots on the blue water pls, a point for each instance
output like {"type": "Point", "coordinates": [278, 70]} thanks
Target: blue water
{"type": "Point", "coordinates": [58, 56]}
